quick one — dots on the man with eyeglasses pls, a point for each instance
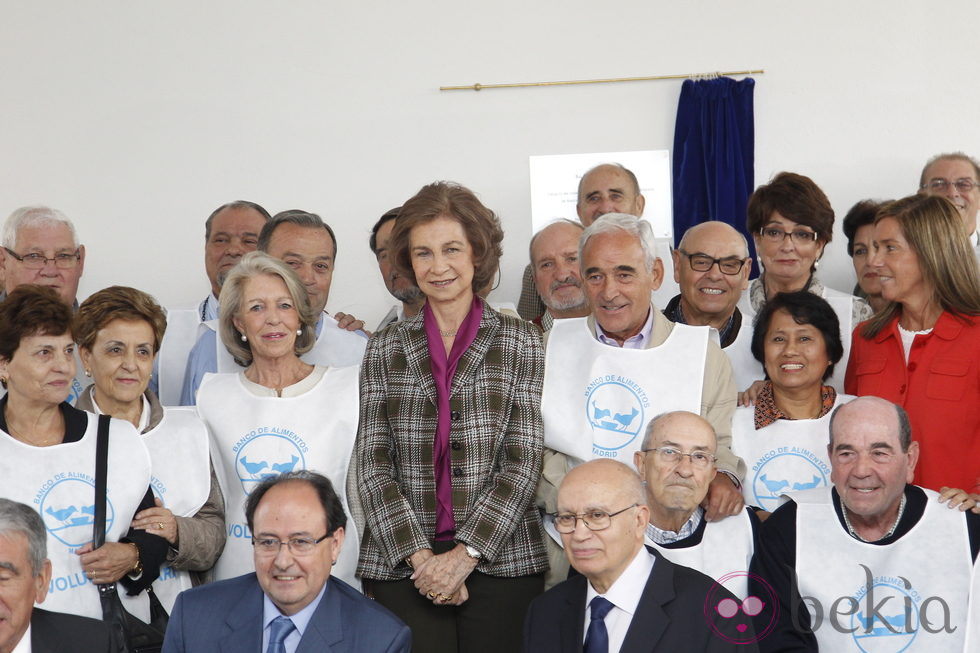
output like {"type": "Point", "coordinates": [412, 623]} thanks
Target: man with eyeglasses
{"type": "Point", "coordinates": [712, 267]}
{"type": "Point", "coordinates": [956, 177]}
{"type": "Point", "coordinates": [291, 602]}
{"type": "Point", "coordinates": [677, 463]}
{"type": "Point", "coordinates": [628, 598]}
{"type": "Point", "coordinates": [872, 562]}
{"type": "Point", "coordinates": [40, 246]}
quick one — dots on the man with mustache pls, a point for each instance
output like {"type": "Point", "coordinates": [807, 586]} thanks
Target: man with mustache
{"type": "Point", "coordinates": [956, 177]}
{"type": "Point", "coordinates": [398, 286]}
{"type": "Point", "coordinates": [554, 261]}
{"type": "Point", "coordinates": [677, 463]}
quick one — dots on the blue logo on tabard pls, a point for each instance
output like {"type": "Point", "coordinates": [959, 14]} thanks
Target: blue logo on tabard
{"type": "Point", "coordinates": [615, 412]}
{"type": "Point", "coordinates": [779, 472]}
{"type": "Point", "coordinates": [68, 510]}
{"type": "Point", "coordinates": [268, 454]}
{"type": "Point", "coordinates": [890, 623]}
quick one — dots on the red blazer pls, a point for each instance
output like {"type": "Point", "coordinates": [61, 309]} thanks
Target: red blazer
{"type": "Point", "coordinates": [939, 388]}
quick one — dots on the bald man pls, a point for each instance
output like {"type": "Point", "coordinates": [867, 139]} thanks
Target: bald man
{"type": "Point", "coordinates": [712, 267]}
{"type": "Point", "coordinates": [677, 463]}
{"type": "Point", "coordinates": [627, 597]}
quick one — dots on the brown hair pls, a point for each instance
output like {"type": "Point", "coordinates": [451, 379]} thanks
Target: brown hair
{"type": "Point", "coordinates": [448, 199]}
{"type": "Point", "coordinates": [935, 232]}
{"type": "Point", "coordinates": [796, 198]}
{"type": "Point", "coordinates": [118, 303]}
{"type": "Point", "coordinates": [31, 310]}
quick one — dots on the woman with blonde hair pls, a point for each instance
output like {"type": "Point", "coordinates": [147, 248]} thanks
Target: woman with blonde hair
{"type": "Point", "coordinates": [278, 414]}
{"type": "Point", "coordinates": [922, 351]}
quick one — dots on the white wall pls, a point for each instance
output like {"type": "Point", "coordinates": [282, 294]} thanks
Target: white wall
{"type": "Point", "coordinates": [138, 119]}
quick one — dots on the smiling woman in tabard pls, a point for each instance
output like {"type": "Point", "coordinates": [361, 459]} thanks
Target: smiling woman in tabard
{"type": "Point", "coordinates": [279, 414]}
{"type": "Point", "coordinates": [47, 460]}
{"type": "Point", "coordinates": [119, 331]}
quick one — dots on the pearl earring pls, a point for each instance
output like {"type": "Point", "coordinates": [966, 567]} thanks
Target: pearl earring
{"type": "Point", "coordinates": [88, 372]}
{"type": "Point", "coordinates": [244, 339]}
{"type": "Point", "coordinates": [299, 332]}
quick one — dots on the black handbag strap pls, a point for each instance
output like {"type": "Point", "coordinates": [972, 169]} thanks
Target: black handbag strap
{"type": "Point", "coordinates": [101, 473]}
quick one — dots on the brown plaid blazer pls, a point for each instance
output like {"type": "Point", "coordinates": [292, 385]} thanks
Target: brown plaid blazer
{"type": "Point", "coordinates": [496, 443]}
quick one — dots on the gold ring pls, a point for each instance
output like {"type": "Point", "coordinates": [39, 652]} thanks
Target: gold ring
{"type": "Point", "coordinates": [431, 595]}
{"type": "Point", "coordinates": [444, 598]}
{"type": "Point", "coordinates": [160, 525]}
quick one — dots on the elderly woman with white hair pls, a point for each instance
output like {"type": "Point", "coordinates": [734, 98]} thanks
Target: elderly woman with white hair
{"type": "Point", "coordinates": [278, 414]}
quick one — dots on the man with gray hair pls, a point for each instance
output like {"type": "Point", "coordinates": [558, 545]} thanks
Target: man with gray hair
{"type": "Point", "coordinates": [873, 560]}
{"type": "Point", "coordinates": [677, 463]}
{"type": "Point", "coordinates": [25, 572]}
{"type": "Point", "coordinates": [557, 278]}
{"type": "Point", "coordinates": [607, 375]}
{"type": "Point", "coordinates": [605, 188]}
{"type": "Point", "coordinates": [40, 246]}
{"type": "Point", "coordinates": [956, 176]}
{"type": "Point", "coordinates": [307, 244]}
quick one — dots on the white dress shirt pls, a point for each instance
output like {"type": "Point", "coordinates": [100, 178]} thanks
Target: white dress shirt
{"type": "Point", "coordinates": [301, 620]}
{"type": "Point", "coordinates": [24, 645]}
{"type": "Point", "coordinates": [624, 594]}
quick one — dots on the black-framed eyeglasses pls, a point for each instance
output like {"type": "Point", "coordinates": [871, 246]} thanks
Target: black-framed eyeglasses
{"type": "Point", "coordinates": [594, 520]}
{"type": "Point", "coordinates": [35, 261]}
{"type": "Point", "coordinates": [777, 235]}
{"type": "Point", "coordinates": [671, 456]}
{"type": "Point", "coordinates": [299, 546]}
{"type": "Point", "coordinates": [940, 185]}
{"type": "Point", "coordinates": [702, 263]}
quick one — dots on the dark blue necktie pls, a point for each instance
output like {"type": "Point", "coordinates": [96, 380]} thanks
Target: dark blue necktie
{"type": "Point", "coordinates": [278, 632]}
{"type": "Point", "coordinates": [597, 638]}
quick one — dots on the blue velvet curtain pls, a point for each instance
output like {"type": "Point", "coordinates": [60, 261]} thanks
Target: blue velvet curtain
{"type": "Point", "coordinates": [714, 154]}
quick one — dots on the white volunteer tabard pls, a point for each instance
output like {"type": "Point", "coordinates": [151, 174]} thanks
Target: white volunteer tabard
{"type": "Point", "coordinates": [255, 437]}
{"type": "Point", "coordinates": [786, 456]}
{"type": "Point", "coordinates": [723, 553]}
{"type": "Point", "coordinates": [181, 479]}
{"type": "Point", "coordinates": [884, 597]}
{"type": "Point", "coordinates": [59, 482]}
{"type": "Point", "coordinates": [183, 325]}
{"type": "Point", "coordinates": [745, 367]}
{"type": "Point", "coordinates": [598, 399]}
{"type": "Point", "coordinates": [842, 304]}
{"type": "Point", "coordinates": [973, 616]}
{"type": "Point", "coordinates": [335, 347]}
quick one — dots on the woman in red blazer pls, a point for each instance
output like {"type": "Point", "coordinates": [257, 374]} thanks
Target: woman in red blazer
{"type": "Point", "coordinates": [923, 350]}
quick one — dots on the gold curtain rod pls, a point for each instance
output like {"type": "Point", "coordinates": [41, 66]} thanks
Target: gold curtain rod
{"type": "Point", "coordinates": [480, 87]}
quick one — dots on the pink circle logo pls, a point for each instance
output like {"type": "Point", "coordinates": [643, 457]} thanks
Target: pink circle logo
{"type": "Point", "coordinates": [731, 619]}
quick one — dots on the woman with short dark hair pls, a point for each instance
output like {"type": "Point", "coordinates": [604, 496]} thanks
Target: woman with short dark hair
{"type": "Point", "coordinates": [450, 440]}
{"type": "Point", "coordinates": [48, 459]}
{"type": "Point", "coordinates": [119, 331]}
{"type": "Point", "coordinates": [783, 437]}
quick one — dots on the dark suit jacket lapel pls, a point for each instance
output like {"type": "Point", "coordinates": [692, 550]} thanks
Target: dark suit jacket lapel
{"type": "Point", "coordinates": [416, 347]}
{"type": "Point", "coordinates": [650, 621]}
{"type": "Point", "coordinates": [475, 354]}
{"type": "Point", "coordinates": [571, 622]}
{"type": "Point", "coordinates": [244, 623]}
{"type": "Point", "coordinates": [326, 628]}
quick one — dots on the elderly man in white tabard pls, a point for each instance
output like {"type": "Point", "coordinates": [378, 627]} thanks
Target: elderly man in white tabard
{"type": "Point", "coordinates": [882, 563]}
{"type": "Point", "coordinates": [607, 375]}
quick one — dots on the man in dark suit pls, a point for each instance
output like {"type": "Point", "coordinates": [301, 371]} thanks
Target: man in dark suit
{"type": "Point", "coordinates": [290, 604]}
{"type": "Point", "coordinates": [25, 573]}
{"type": "Point", "coordinates": [634, 599]}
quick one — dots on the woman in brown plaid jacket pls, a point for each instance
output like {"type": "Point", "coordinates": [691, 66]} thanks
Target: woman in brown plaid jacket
{"type": "Point", "coordinates": [450, 439]}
